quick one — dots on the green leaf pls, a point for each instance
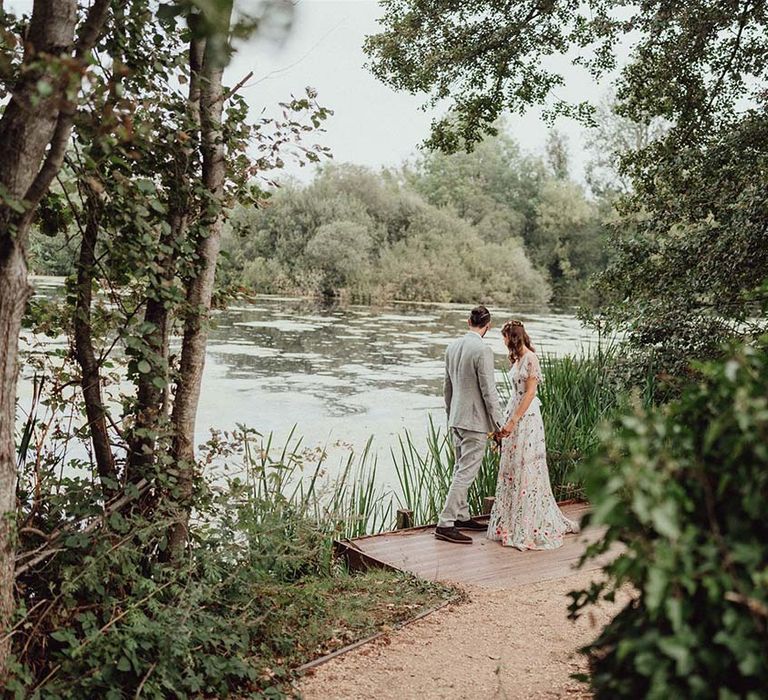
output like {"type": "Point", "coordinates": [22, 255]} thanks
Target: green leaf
{"type": "Point", "coordinates": [44, 88]}
{"type": "Point", "coordinates": [64, 635]}
{"type": "Point", "coordinates": [664, 518]}
{"type": "Point", "coordinates": [656, 587]}
{"type": "Point", "coordinates": [678, 651]}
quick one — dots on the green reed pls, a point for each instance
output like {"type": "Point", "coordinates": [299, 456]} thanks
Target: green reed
{"type": "Point", "coordinates": [349, 505]}
{"type": "Point", "coordinates": [577, 394]}
{"type": "Point", "coordinates": [425, 476]}
{"type": "Point", "coordinates": [357, 505]}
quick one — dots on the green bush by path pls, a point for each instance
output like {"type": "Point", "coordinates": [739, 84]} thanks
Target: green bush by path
{"type": "Point", "coordinates": [683, 489]}
{"type": "Point", "coordinates": [215, 628]}
{"type": "Point", "coordinates": [257, 594]}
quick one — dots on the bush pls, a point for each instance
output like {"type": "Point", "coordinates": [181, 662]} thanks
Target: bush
{"type": "Point", "coordinates": [683, 489]}
{"type": "Point", "coordinates": [258, 594]}
{"type": "Point", "coordinates": [104, 617]}
{"type": "Point", "coordinates": [445, 260]}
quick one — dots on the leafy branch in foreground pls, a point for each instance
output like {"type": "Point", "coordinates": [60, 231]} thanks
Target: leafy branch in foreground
{"type": "Point", "coordinates": [682, 489]}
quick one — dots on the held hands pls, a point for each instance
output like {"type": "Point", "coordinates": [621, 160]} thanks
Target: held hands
{"type": "Point", "coordinates": [506, 430]}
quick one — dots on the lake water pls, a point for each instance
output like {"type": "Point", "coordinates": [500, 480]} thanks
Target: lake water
{"type": "Point", "coordinates": [342, 375]}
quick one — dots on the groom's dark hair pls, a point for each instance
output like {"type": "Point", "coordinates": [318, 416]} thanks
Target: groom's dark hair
{"type": "Point", "coordinates": [479, 317]}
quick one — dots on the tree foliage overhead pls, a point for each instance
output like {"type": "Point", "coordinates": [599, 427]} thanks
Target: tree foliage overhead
{"type": "Point", "coordinates": [483, 57]}
{"type": "Point", "coordinates": [689, 242]}
{"type": "Point", "coordinates": [689, 62]}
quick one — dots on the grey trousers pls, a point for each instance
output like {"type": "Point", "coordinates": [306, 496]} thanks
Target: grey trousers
{"type": "Point", "coordinates": [470, 448]}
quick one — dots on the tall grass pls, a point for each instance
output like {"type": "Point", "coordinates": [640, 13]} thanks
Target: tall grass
{"type": "Point", "coordinates": [357, 504]}
{"type": "Point", "coordinates": [577, 394]}
{"type": "Point", "coordinates": [350, 505]}
{"type": "Point", "coordinates": [425, 477]}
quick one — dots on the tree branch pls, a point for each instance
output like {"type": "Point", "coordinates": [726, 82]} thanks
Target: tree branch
{"type": "Point", "coordinates": [91, 30]}
{"type": "Point", "coordinates": [234, 89]}
{"type": "Point", "coordinates": [48, 550]}
{"type": "Point", "coordinates": [88, 36]}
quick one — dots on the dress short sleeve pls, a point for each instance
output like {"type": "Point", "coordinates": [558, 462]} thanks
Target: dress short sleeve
{"type": "Point", "coordinates": [530, 367]}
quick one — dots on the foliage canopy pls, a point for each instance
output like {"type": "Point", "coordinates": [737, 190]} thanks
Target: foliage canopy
{"type": "Point", "coordinates": [689, 250]}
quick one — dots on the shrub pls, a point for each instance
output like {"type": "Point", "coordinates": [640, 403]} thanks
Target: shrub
{"type": "Point", "coordinates": [683, 489]}
{"type": "Point", "coordinates": [105, 616]}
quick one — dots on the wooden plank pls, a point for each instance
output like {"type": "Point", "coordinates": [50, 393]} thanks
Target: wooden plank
{"type": "Point", "coordinates": [484, 562]}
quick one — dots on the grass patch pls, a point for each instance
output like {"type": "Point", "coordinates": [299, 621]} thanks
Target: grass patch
{"type": "Point", "coordinates": [313, 618]}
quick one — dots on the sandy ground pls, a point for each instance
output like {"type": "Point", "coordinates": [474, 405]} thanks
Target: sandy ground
{"type": "Point", "coordinates": [501, 644]}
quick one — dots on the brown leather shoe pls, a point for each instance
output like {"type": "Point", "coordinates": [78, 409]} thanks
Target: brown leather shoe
{"type": "Point", "coordinates": [470, 524]}
{"type": "Point", "coordinates": [451, 534]}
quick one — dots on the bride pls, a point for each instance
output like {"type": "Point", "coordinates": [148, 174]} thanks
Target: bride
{"type": "Point", "coordinates": [525, 514]}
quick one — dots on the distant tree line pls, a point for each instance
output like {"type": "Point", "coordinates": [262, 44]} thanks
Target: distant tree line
{"type": "Point", "coordinates": [495, 224]}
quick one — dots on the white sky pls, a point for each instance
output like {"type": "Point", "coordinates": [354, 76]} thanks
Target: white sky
{"type": "Point", "coordinates": [372, 124]}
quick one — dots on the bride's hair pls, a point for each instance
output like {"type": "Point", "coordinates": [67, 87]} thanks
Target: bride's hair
{"type": "Point", "coordinates": [515, 339]}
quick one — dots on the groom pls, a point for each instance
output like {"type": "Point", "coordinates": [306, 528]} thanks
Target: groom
{"type": "Point", "coordinates": [473, 410]}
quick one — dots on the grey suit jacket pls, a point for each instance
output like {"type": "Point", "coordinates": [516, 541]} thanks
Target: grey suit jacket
{"type": "Point", "coordinates": [471, 399]}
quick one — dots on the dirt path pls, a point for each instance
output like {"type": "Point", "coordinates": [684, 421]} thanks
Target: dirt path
{"type": "Point", "coordinates": [501, 644]}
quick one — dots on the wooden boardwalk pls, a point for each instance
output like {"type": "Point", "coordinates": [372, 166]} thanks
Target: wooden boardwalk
{"type": "Point", "coordinates": [483, 563]}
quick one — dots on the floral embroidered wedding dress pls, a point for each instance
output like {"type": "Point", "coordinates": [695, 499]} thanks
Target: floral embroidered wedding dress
{"type": "Point", "coordinates": [525, 514]}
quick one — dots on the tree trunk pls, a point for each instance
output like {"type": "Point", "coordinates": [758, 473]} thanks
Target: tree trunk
{"type": "Point", "coordinates": [86, 357]}
{"type": "Point", "coordinates": [14, 292]}
{"type": "Point", "coordinates": [30, 125]}
{"type": "Point", "coordinates": [25, 132]}
{"type": "Point", "coordinates": [200, 289]}
{"type": "Point", "coordinates": [152, 399]}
